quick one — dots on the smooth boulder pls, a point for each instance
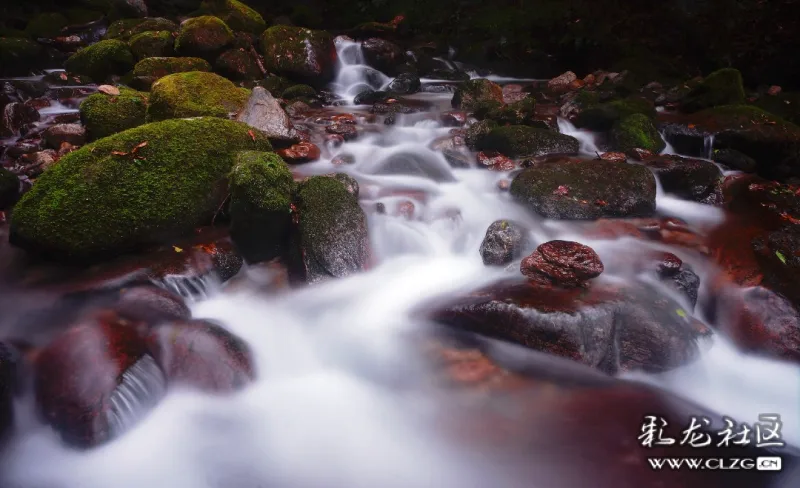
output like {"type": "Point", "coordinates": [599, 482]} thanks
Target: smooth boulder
{"type": "Point", "coordinates": [194, 94]}
{"type": "Point", "coordinates": [303, 54]}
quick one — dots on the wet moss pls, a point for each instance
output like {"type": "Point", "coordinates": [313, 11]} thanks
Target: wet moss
{"type": "Point", "coordinates": [261, 198]}
{"type": "Point", "coordinates": [722, 87]}
{"type": "Point", "coordinates": [194, 94]}
{"type": "Point", "coordinates": [636, 131]}
{"type": "Point", "coordinates": [299, 91]}
{"type": "Point", "coordinates": [9, 188]}
{"type": "Point", "coordinates": [124, 29]}
{"type": "Point", "coordinates": [101, 60]}
{"type": "Point", "coordinates": [152, 44]}
{"type": "Point", "coordinates": [160, 67]}
{"type": "Point", "coordinates": [237, 15]}
{"type": "Point", "coordinates": [478, 131]}
{"type": "Point", "coordinates": [203, 37]}
{"type": "Point", "coordinates": [298, 53]}
{"type": "Point", "coordinates": [519, 141]}
{"type": "Point", "coordinates": [276, 85]}
{"type": "Point", "coordinates": [46, 25]}
{"type": "Point", "coordinates": [474, 92]}
{"type": "Point", "coordinates": [522, 112]}
{"type": "Point", "coordinates": [602, 116]}
{"type": "Point", "coordinates": [104, 115]}
{"type": "Point", "coordinates": [109, 197]}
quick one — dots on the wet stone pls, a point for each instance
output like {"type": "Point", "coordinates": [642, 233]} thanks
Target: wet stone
{"type": "Point", "coordinates": [303, 152]}
{"type": "Point", "coordinates": [346, 131]}
{"type": "Point", "coordinates": [562, 263]}
{"type": "Point", "coordinates": [504, 242]}
{"type": "Point", "coordinates": [495, 161]}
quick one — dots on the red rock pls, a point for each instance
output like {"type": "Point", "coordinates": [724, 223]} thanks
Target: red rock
{"type": "Point", "coordinates": [774, 90]}
{"type": "Point", "coordinates": [616, 157]}
{"type": "Point", "coordinates": [108, 89]}
{"type": "Point", "coordinates": [639, 154]}
{"type": "Point", "coordinates": [495, 161]}
{"type": "Point", "coordinates": [453, 118]}
{"type": "Point", "coordinates": [343, 119]}
{"type": "Point", "coordinates": [347, 131]}
{"type": "Point", "coordinates": [576, 85]}
{"type": "Point", "coordinates": [503, 185]}
{"type": "Point", "coordinates": [303, 152]}
{"type": "Point", "coordinates": [589, 79]}
{"type": "Point", "coordinates": [562, 263]}
{"type": "Point", "coordinates": [561, 83]}
{"type": "Point", "coordinates": [668, 263]}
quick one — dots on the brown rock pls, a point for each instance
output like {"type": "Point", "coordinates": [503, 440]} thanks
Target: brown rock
{"type": "Point", "coordinates": [561, 83]}
{"type": "Point", "coordinates": [616, 157]}
{"type": "Point", "coordinates": [495, 161]}
{"type": "Point", "coordinates": [562, 263]}
{"type": "Point", "coordinates": [453, 118]}
{"type": "Point", "coordinates": [347, 131]}
{"type": "Point", "coordinates": [300, 153]}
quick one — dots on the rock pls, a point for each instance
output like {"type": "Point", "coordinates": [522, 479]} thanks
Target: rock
{"type": "Point", "coordinates": [168, 178]}
{"type": "Point", "coordinates": [304, 152]}
{"type": "Point", "coordinates": [369, 97]}
{"type": "Point", "coordinates": [9, 189]}
{"type": "Point", "coordinates": [150, 304]}
{"type": "Point", "coordinates": [203, 37]}
{"type": "Point", "coordinates": [101, 60]}
{"type": "Point", "coordinates": [152, 69]}
{"type": "Point", "coordinates": [125, 29]}
{"type": "Point", "coordinates": [495, 161]}
{"type": "Point", "coordinates": [264, 112]}
{"type": "Point", "coordinates": [586, 190]}
{"type": "Point", "coordinates": [131, 8]}
{"type": "Point", "coordinates": [734, 159]}
{"type": "Point", "coordinates": [562, 263]}
{"type": "Point", "coordinates": [332, 239]}
{"type": "Point", "coordinates": [774, 90]}
{"type": "Point", "coordinates": [521, 141]}
{"type": "Point", "coordinates": [639, 154]}
{"type": "Point", "coordinates": [413, 164]}
{"type": "Point", "coordinates": [94, 380]}
{"type": "Point", "coordinates": [39, 162]}
{"type": "Point", "coordinates": [692, 179]}
{"type": "Point", "coordinates": [235, 14]}
{"type": "Point", "coordinates": [194, 94]}
{"type": "Point", "coordinates": [477, 131]}
{"type": "Point", "coordinates": [18, 56]}
{"type": "Point", "coordinates": [55, 135]}
{"type": "Point", "coordinates": [382, 55]}
{"type": "Point", "coordinates": [261, 199]}
{"type": "Point", "coordinates": [522, 112]}
{"type": "Point", "coordinates": [104, 115]}
{"type": "Point", "coordinates": [603, 116]}
{"type": "Point", "coordinates": [504, 242]}
{"type": "Point", "coordinates": [300, 91]}
{"type": "Point", "coordinates": [474, 94]}
{"type": "Point", "coordinates": [302, 54]}
{"type": "Point", "coordinates": [347, 131]}
{"type": "Point", "coordinates": [275, 85]}
{"type": "Point", "coordinates": [238, 65]}
{"type": "Point", "coordinates": [17, 117]}
{"type": "Point", "coordinates": [723, 87]}
{"type": "Point", "coordinates": [405, 84]}
{"type": "Point", "coordinates": [687, 283]}
{"type": "Point", "coordinates": [611, 329]}
{"type": "Point", "coordinates": [561, 83]}
{"type": "Point", "coordinates": [46, 25]}
{"type": "Point", "coordinates": [778, 254]}
{"type": "Point", "coordinates": [350, 183]}
{"type": "Point", "coordinates": [636, 132]}
{"type": "Point", "coordinates": [453, 118]}
{"type": "Point", "coordinates": [614, 157]}
{"type": "Point", "coordinates": [152, 44]}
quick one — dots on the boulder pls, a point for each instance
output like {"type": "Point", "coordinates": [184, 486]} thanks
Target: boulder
{"type": "Point", "coordinates": [519, 141]}
{"type": "Point", "coordinates": [9, 188]}
{"type": "Point", "coordinates": [152, 44]}
{"type": "Point", "coordinates": [636, 132]}
{"type": "Point", "coordinates": [331, 238]}
{"type": "Point", "coordinates": [383, 55]}
{"type": "Point", "coordinates": [586, 190]}
{"type": "Point", "coordinates": [150, 70]}
{"type": "Point", "coordinates": [504, 242]}
{"type": "Point", "coordinates": [260, 208]}
{"type": "Point", "coordinates": [734, 159]}
{"type": "Point", "coordinates": [603, 116]}
{"type": "Point", "coordinates": [723, 87]}
{"type": "Point", "coordinates": [104, 115]}
{"type": "Point", "coordinates": [17, 118]}
{"type": "Point", "coordinates": [125, 29]}
{"type": "Point", "coordinates": [692, 179]}
{"type": "Point", "coordinates": [474, 94]}
{"type": "Point", "coordinates": [522, 112]}
{"type": "Point", "coordinates": [56, 135]}
{"type": "Point", "coordinates": [144, 185]}
{"type": "Point", "coordinates": [405, 84]}
{"type": "Point", "coordinates": [562, 83]}
{"type": "Point", "coordinates": [264, 112]}
{"type": "Point", "coordinates": [101, 60]}
{"type": "Point", "coordinates": [564, 264]}
{"type": "Point", "coordinates": [194, 94]}
{"type": "Point", "coordinates": [238, 65]}
{"type": "Point", "coordinates": [298, 53]}
{"type": "Point", "coordinates": [237, 15]}
{"type": "Point", "coordinates": [203, 37]}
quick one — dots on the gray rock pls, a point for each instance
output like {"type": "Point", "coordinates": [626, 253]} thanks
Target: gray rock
{"type": "Point", "coordinates": [263, 112]}
{"type": "Point", "coordinates": [58, 134]}
{"type": "Point", "coordinates": [504, 242]}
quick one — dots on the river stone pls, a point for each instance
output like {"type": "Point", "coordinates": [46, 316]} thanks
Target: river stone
{"type": "Point", "coordinates": [519, 141]}
{"type": "Point", "coordinates": [503, 243]}
{"type": "Point", "coordinates": [691, 179]}
{"type": "Point", "coordinates": [562, 263]}
{"type": "Point", "coordinates": [264, 112]}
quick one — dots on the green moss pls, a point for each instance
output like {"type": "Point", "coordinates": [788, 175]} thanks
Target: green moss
{"type": "Point", "coordinates": [46, 25]}
{"type": "Point", "coordinates": [601, 117]}
{"type": "Point", "coordinates": [160, 67]}
{"type": "Point", "coordinates": [101, 60]}
{"type": "Point", "coordinates": [109, 197]}
{"type": "Point", "coordinates": [636, 131]}
{"type": "Point", "coordinates": [194, 94]}
{"type": "Point", "coordinates": [104, 115]}
{"type": "Point", "coordinates": [237, 15]}
{"type": "Point", "coordinates": [296, 52]}
{"type": "Point", "coordinates": [299, 91]}
{"type": "Point", "coordinates": [18, 55]}
{"type": "Point", "coordinates": [478, 131]}
{"type": "Point", "coordinates": [238, 65]}
{"type": "Point", "coordinates": [124, 29]}
{"type": "Point", "coordinates": [152, 44]}
{"type": "Point", "coordinates": [522, 112]}
{"type": "Point", "coordinates": [276, 85]}
{"type": "Point", "coordinates": [203, 37]}
{"type": "Point", "coordinates": [471, 93]}
{"type": "Point", "coordinates": [723, 87]}
{"type": "Point", "coordinates": [261, 197]}
{"type": "Point", "coordinates": [9, 188]}
{"type": "Point", "coordinates": [520, 140]}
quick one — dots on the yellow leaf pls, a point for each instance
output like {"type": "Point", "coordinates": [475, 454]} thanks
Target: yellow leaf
{"type": "Point", "coordinates": [177, 249]}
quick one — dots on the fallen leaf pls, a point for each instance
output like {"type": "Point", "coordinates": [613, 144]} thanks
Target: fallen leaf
{"type": "Point", "coordinates": [252, 135]}
{"type": "Point", "coordinates": [681, 313]}
{"type": "Point", "coordinates": [781, 256]}
{"type": "Point", "coordinates": [177, 249]}
{"type": "Point", "coordinates": [138, 146]}
{"type": "Point", "coordinates": [108, 89]}
{"type": "Point", "coordinates": [119, 153]}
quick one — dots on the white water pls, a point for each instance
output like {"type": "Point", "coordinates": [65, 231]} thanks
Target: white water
{"type": "Point", "coordinates": [341, 398]}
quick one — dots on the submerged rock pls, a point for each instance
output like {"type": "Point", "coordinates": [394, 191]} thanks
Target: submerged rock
{"type": "Point", "coordinates": [562, 263]}
{"type": "Point", "coordinates": [504, 242]}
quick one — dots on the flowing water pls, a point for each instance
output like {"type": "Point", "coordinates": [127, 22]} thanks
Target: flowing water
{"type": "Point", "coordinates": [341, 398]}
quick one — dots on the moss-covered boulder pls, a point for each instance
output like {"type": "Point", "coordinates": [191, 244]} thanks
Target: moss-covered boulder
{"type": "Point", "coordinates": [237, 15]}
{"type": "Point", "coordinates": [203, 37]}
{"type": "Point", "coordinates": [124, 29]}
{"type": "Point", "coordinates": [48, 24]}
{"type": "Point", "coordinates": [18, 56]}
{"type": "Point", "coordinates": [156, 68]}
{"type": "Point", "coordinates": [474, 94]}
{"type": "Point", "coordinates": [238, 65]}
{"type": "Point", "coordinates": [298, 53]}
{"type": "Point", "coordinates": [636, 131]}
{"type": "Point", "coordinates": [520, 140]}
{"type": "Point", "coordinates": [104, 115]}
{"type": "Point", "coordinates": [152, 44]}
{"type": "Point", "coordinates": [303, 92]}
{"type": "Point", "coordinates": [9, 188]}
{"type": "Point", "coordinates": [586, 190]}
{"type": "Point", "coordinates": [522, 112]}
{"type": "Point", "coordinates": [332, 239]}
{"type": "Point", "coordinates": [723, 87]}
{"type": "Point", "coordinates": [194, 94]}
{"type": "Point", "coordinates": [785, 105]}
{"type": "Point", "coordinates": [144, 185]}
{"type": "Point", "coordinates": [260, 208]}
{"type": "Point", "coordinates": [602, 116]}
{"type": "Point", "coordinates": [101, 60]}
{"type": "Point", "coordinates": [275, 85]}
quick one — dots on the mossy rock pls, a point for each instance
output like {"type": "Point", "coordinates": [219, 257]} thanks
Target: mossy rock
{"type": "Point", "coordinates": [194, 94]}
{"type": "Point", "coordinates": [522, 112]}
{"type": "Point", "coordinates": [110, 197]}
{"type": "Point", "coordinates": [520, 140]}
{"type": "Point", "coordinates": [18, 55]}
{"type": "Point", "coordinates": [101, 60]}
{"type": "Point", "coordinates": [124, 29]}
{"type": "Point", "coordinates": [156, 68]}
{"type": "Point", "coordinates": [471, 93]}
{"type": "Point", "coordinates": [586, 190]}
{"type": "Point", "coordinates": [332, 239]}
{"type": "Point", "coordinates": [47, 25]}
{"type": "Point", "coordinates": [237, 15]}
{"type": "Point", "coordinates": [275, 85]}
{"type": "Point", "coordinates": [9, 188]}
{"type": "Point", "coordinates": [722, 87]}
{"type": "Point", "coordinates": [478, 131]}
{"type": "Point", "coordinates": [785, 105]}
{"type": "Point", "coordinates": [298, 53]}
{"type": "Point", "coordinates": [203, 37]}
{"type": "Point", "coordinates": [602, 116]}
{"type": "Point", "coordinates": [636, 131]}
{"type": "Point", "coordinates": [261, 187]}
{"type": "Point", "coordinates": [152, 44]}
{"type": "Point", "coordinates": [238, 65]}
{"type": "Point", "coordinates": [104, 115]}
{"type": "Point", "coordinates": [299, 91]}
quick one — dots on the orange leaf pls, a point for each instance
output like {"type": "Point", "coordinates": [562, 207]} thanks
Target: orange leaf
{"type": "Point", "coordinates": [138, 146]}
{"type": "Point", "coordinates": [252, 135]}
{"type": "Point", "coordinates": [119, 153]}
